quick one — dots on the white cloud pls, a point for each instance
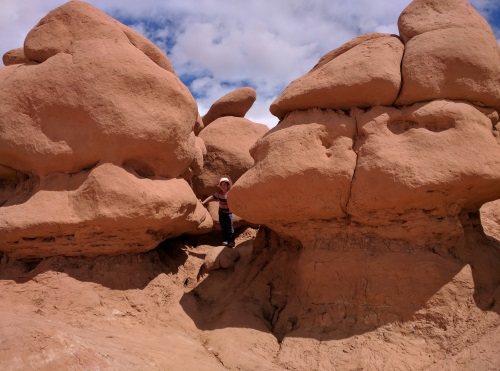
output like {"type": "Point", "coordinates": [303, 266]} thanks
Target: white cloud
{"type": "Point", "coordinates": [219, 45]}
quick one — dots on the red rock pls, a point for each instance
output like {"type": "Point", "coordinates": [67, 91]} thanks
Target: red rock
{"type": "Point", "coordinates": [363, 73]}
{"type": "Point", "coordinates": [452, 63]}
{"type": "Point", "coordinates": [105, 101]}
{"type": "Point", "coordinates": [429, 15]}
{"type": "Point", "coordinates": [303, 170]}
{"type": "Point", "coordinates": [14, 56]}
{"type": "Point", "coordinates": [422, 166]}
{"type": "Point", "coordinates": [91, 141]}
{"type": "Point", "coordinates": [106, 210]}
{"type": "Point", "coordinates": [79, 21]}
{"type": "Point", "coordinates": [228, 141]}
{"type": "Point", "coordinates": [237, 103]}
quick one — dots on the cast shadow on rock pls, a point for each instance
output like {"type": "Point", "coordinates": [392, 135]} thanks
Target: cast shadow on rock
{"type": "Point", "coordinates": [281, 288]}
{"type": "Point", "coordinates": [117, 272]}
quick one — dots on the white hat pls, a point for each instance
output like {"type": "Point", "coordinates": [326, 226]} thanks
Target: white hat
{"type": "Point", "coordinates": [224, 180]}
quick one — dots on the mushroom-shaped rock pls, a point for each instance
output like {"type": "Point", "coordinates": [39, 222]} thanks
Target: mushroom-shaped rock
{"type": "Point", "coordinates": [237, 103]}
{"type": "Point", "coordinates": [14, 56]}
{"type": "Point", "coordinates": [303, 170]}
{"type": "Point", "coordinates": [448, 55]}
{"type": "Point", "coordinates": [363, 73]}
{"type": "Point", "coordinates": [97, 102]}
{"type": "Point", "coordinates": [228, 141]}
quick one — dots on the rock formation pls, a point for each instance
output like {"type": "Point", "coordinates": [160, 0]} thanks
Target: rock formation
{"type": "Point", "coordinates": [373, 180]}
{"type": "Point", "coordinates": [236, 104]}
{"type": "Point", "coordinates": [95, 129]}
{"type": "Point", "coordinates": [227, 141]}
{"type": "Point", "coordinates": [363, 73]}
{"type": "Point", "coordinates": [391, 169]}
{"type": "Point", "coordinates": [374, 254]}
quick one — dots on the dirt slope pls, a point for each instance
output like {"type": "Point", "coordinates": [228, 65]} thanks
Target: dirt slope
{"type": "Point", "coordinates": [148, 311]}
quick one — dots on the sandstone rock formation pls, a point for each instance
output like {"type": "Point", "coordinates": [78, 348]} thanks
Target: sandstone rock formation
{"type": "Point", "coordinates": [236, 104]}
{"type": "Point", "coordinates": [473, 74]}
{"type": "Point", "coordinates": [406, 172]}
{"type": "Point", "coordinates": [227, 141]}
{"type": "Point", "coordinates": [363, 73]}
{"type": "Point", "coordinates": [94, 131]}
{"type": "Point", "coordinates": [376, 201]}
{"type": "Point", "coordinates": [14, 56]}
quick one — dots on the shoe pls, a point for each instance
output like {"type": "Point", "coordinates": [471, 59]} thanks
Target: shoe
{"type": "Point", "coordinates": [225, 243]}
{"type": "Point", "coordinates": [230, 244]}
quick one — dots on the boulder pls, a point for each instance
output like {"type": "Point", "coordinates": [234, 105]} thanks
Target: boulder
{"type": "Point", "coordinates": [14, 56]}
{"type": "Point", "coordinates": [363, 73]}
{"type": "Point", "coordinates": [78, 21]}
{"type": "Point", "coordinates": [228, 141]}
{"type": "Point", "coordinates": [303, 170]}
{"type": "Point", "coordinates": [422, 16]}
{"type": "Point", "coordinates": [237, 103]}
{"type": "Point", "coordinates": [220, 257]}
{"type": "Point", "coordinates": [103, 101]}
{"type": "Point", "coordinates": [452, 63]}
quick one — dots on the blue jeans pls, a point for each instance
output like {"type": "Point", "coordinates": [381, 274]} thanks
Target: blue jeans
{"type": "Point", "coordinates": [226, 226]}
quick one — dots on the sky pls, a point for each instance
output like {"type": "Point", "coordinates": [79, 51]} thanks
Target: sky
{"type": "Point", "coordinates": [217, 46]}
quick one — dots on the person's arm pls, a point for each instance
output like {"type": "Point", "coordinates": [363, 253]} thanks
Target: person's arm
{"type": "Point", "coordinates": [207, 200]}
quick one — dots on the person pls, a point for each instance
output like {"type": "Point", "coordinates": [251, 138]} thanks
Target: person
{"type": "Point", "coordinates": [225, 215]}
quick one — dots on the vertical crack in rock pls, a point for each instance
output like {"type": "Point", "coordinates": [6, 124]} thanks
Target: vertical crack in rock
{"type": "Point", "coordinates": [354, 142]}
{"type": "Point", "coordinates": [401, 72]}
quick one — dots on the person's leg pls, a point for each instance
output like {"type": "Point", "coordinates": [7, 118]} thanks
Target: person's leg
{"type": "Point", "coordinates": [223, 221]}
{"type": "Point", "coordinates": [230, 230]}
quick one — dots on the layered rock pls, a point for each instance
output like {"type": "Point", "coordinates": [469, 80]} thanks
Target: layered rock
{"type": "Point", "coordinates": [384, 169]}
{"type": "Point", "coordinates": [235, 104]}
{"type": "Point", "coordinates": [376, 200]}
{"type": "Point", "coordinates": [97, 108]}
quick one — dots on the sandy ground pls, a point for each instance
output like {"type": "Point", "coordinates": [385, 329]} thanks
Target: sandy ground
{"type": "Point", "coordinates": [153, 311]}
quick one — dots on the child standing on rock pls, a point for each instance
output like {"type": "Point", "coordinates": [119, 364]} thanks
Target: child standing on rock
{"type": "Point", "coordinates": [225, 215]}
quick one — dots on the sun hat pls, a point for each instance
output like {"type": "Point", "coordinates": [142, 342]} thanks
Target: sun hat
{"type": "Point", "coordinates": [224, 180]}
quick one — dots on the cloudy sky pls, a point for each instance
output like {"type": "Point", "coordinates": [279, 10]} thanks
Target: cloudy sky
{"type": "Point", "coordinates": [217, 46]}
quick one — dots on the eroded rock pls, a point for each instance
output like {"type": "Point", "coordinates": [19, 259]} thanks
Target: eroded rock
{"type": "Point", "coordinates": [99, 129]}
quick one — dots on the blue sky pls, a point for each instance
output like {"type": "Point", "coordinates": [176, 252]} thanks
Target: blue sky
{"type": "Point", "coordinates": [217, 46]}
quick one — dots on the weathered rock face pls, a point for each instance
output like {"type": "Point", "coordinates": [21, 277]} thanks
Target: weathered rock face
{"type": "Point", "coordinates": [374, 199]}
{"type": "Point", "coordinates": [402, 173]}
{"type": "Point", "coordinates": [236, 104]}
{"type": "Point", "coordinates": [227, 141]}
{"type": "Point", "coordinates": [421, 166]}
{"type": "Point", "coordinates": [363, 73]}
{"type": "Point", "coordinates": [303, 170]}
{"type": "Point", "coordinates": [101, 109]}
